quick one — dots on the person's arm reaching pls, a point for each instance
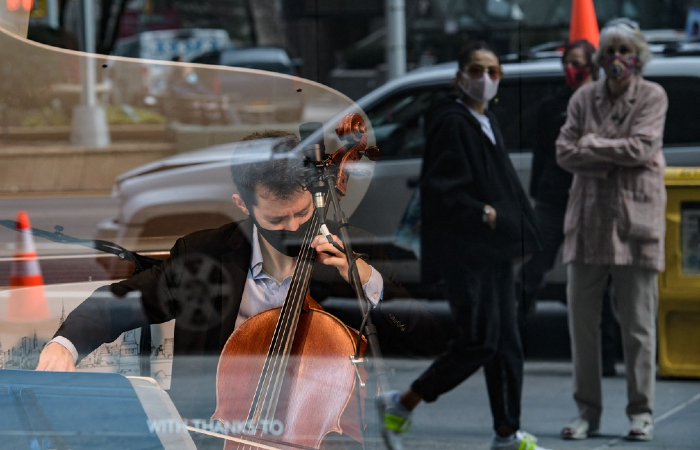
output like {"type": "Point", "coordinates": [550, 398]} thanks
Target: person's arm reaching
{"type": "Point", "coordinates": [111, 310]}
{"type": "Point", "coordinates": [57, 358]}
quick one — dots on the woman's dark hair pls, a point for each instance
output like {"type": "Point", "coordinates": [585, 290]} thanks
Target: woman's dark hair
{"type": "Point", "coordinates": [588, 51]}
{"type": "Point", "coordinates": [465, 55]}
{"type": "Point", "coordinates": [280, 178]}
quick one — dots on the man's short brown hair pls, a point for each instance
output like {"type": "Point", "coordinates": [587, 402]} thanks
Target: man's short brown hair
{"type": "Point", "coordinates": [280, 178]}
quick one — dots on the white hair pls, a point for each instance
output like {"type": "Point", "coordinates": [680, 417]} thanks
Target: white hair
{"type": "Point", "coordinates": [629, 32]}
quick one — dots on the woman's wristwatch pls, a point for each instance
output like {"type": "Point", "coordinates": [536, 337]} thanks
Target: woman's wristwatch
{"type": "Point", "coordinates": [486, 216]}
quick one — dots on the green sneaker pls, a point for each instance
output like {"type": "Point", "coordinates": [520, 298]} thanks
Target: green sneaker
{"type": "Point", "coordinates": [521, 441]}
{"type": "Point", "coordinates": [396, 423]}
{"type": "Point", "coordinates": [396, 417]}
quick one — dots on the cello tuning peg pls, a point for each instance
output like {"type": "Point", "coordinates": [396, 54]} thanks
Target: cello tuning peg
{"type": "Point", "coordinates": [372, 153]}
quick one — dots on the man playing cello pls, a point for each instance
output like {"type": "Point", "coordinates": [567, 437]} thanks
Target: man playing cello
{"type": "Point", "coordinates": [246, 269]}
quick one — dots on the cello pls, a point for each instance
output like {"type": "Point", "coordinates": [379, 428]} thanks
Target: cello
{"type": "Point", "coordinates": [286, 373]}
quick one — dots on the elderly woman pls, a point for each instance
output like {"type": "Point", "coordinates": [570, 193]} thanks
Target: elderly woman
{"type": "Point", "coordinates": [614, 224]}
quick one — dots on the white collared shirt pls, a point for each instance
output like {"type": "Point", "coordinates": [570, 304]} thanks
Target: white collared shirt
{"type": "Point", "coordinates": [262, 291]}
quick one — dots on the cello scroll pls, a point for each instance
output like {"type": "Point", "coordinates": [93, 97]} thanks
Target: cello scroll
{"type": "Point", "coordinates": [351, 128]}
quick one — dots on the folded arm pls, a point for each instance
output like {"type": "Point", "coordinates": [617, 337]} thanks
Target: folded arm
{"type": "Point", "coordinates": [590, 154]}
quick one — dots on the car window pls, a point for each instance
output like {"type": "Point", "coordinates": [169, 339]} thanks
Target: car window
{"type": "Point", "coordinates": [399, 121]}
{"type": "Point", "coordinates": [263, 60]}
{"type": "Point", "coordinates": [681, 118]}
{"type": "Point", "coordinates": [268, 66]}
{"type": "Point", "coordinates": [516, 107]}
{"type": "Point", "coordinates": [207, 58]}
{"type": "Point", "coordinates": [129, 49]}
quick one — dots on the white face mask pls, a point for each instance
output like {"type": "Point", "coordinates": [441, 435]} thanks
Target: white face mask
{"type": "Point", "coordinates": [480, 89]}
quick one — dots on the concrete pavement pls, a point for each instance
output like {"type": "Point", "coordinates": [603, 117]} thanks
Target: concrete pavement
{"type": "Point", "coordinates": [461, 419]}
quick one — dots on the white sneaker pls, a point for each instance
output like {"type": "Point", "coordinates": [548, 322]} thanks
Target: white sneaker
{"type": "Point", "coordinates": [579, 428]}
{"type": "Point", "coordinates": [641, 429]}
{"type": "Point", "coordinates": [521, 441]}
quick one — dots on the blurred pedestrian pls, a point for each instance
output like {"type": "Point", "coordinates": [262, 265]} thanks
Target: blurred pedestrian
{"type": "Point", "coordinates": [476, 221]}
{"type": "Point", "coordinates": [614, 223]}
{"type": "Point", "coordinates": [549, 183]}
{"type": "Point", "coordinates": [549, 189]}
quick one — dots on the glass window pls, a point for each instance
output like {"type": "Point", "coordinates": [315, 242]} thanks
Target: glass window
{"type": "Point", "coordinates": [127, 155]}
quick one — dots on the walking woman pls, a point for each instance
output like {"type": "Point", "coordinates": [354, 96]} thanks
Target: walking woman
{"type": "Point", "coordinates": [476, 221]}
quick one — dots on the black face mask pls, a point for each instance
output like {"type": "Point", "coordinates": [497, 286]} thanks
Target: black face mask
{"type": "Point", "coordinates": [286, 242]}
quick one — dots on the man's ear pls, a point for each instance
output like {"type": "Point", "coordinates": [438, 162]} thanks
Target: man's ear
{"type": "Point", "coordinates": [238, 201]}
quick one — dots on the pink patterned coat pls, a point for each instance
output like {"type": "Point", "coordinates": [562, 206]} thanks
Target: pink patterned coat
{"type": "Point", "coordinates": [615, 214]}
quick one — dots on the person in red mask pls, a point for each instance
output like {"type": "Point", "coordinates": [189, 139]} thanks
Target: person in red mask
{"type": "Point", "coordinates": [579, 67]}
{"type": "Point", "coordinates": [549, 183]}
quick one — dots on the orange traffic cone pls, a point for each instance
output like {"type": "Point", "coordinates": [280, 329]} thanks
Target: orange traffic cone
{"type": "Point", "coordinates": [584, 24]}
{"type": "Point", "coordinates": [27, 300]}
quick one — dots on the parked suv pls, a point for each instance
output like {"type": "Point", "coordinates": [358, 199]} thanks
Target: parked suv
{"type": "Point", "coordinates": [396, 113]}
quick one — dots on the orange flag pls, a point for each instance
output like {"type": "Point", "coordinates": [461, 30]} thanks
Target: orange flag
{"type": "Point", "coordinates": [584, 24]}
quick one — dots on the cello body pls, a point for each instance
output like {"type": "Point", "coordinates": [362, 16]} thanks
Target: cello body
{"type": "Point", "coordinates": [318, 391]}
{"type": "Point", "coordinates": [286, 372]}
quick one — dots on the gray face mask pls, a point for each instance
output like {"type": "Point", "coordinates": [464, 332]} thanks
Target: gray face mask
{"type": "Point", "coordinates": [480, 89]}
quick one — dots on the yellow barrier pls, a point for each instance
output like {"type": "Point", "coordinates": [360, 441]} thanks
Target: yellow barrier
{"type": "Point", "coordinates": [679, 285]}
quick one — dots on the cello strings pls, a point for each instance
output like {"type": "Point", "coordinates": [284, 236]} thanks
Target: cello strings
{"type": "Point", "coordinates": [284, 336]}
{"type": "Point", "coordinates": [262, 391]}
{"type": "Point", "coordinates": [278, 355]}
{"type": "Point", "coordinates": [291, 314]}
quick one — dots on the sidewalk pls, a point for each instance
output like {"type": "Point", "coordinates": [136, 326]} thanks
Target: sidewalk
{"type": "Point", "coordinates": [461, 419]}
{"type": "Point", "coordinates": [49, 168]}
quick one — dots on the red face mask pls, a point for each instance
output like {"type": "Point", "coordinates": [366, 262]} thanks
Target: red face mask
{"type": "Point", "coordinates": [575, 76]}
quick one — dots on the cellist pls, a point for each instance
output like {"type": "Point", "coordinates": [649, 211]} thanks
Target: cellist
{"type": "Point", "coordinates": [215, 279]}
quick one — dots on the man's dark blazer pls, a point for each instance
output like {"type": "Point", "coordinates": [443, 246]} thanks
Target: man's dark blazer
{"type": "Point", "coordinates": [201, 286]}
